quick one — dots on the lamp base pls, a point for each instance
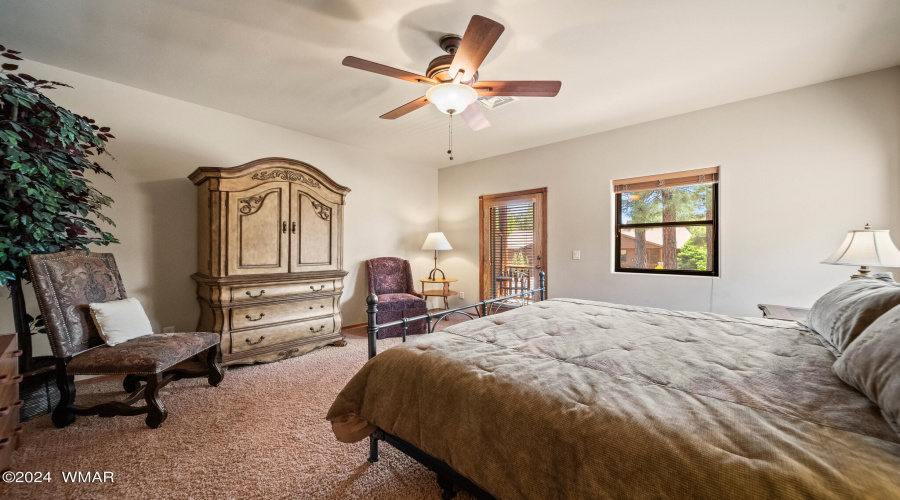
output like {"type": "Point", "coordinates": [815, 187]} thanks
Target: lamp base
{"type": "Point", "coordinates": [864, 272]}
{"type": "Point", "coordinates": [433, 274]}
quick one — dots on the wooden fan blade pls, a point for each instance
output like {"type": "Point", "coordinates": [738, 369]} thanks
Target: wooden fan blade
{"type": "Point", "coordinates": [479, 39]}
{"type": "Point", "coordinates": [381, 69]}
{"type": "Point", "coordinates": [519, 89]}
{"type": "Point", "coordinates": [474, 118]}
{"type": "Point", "coordinates": [406, 108]}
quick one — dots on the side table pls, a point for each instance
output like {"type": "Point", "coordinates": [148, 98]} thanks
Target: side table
{"type": "Point", "coordinates": [444, 292]}
{"type": "Point", "coordinates": [785, 313]}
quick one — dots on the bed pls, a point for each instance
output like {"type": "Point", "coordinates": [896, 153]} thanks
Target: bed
{"type": "Point", "coordinates": [571, 398]}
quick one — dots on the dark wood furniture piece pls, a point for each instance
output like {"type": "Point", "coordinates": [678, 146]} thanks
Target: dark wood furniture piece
{"type": "Point", "coordinates": [66, 283]}
{"type": "Point", "coordinates": [448, 479]}
{"type": "Point", "coordinates": [444, 292]}
{"type": "Point", "coordinates": [10, 404]}
{"type": "Point", "coordinates": [784, 313]}
{"type": "Point", "coordinates": [270, 258]}
{"type": "Point", "coordinates": [390, 278]}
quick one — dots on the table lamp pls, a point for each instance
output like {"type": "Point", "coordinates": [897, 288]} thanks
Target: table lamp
{"type": "Point", "coordinates": [864, 248]}
{"type": "Point", "coordinates": [436, 241]}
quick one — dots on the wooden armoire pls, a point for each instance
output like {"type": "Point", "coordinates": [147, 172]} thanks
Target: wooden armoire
{"type": "Point", "coordinates": [270, 273]}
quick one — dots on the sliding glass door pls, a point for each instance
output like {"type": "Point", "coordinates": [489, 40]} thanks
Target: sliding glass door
{"type": "Point", "coordinates": [513, 242]}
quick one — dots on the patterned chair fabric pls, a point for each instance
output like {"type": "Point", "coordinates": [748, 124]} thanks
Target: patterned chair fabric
{"type": "Point", "coordinates": [390, 275]}
{"type": "Point", "coordinates": [65, 284]}
{"type": "Point", "coordinates": [142, 356]}
{"type": "Point", "coordinates": [390, 278]}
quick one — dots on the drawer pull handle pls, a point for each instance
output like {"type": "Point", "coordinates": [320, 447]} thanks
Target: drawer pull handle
{"type": "Point", "coordinates": [284, 227]}
{"type": "Point", "coordinates": [257, 319]}
{"type": "Point", "coordinates": [321, 307]}
{"type": "Point", "coordinates": [257, 342]}
{"type": "Point", "coordinates": [320, 288]}
{"type": "Point", "coordinates": [16, 353]}
{"type": "Point", "coordinates": [5, 410]}
{"type": "Point", "coordinates": [261, 293]}
{"type": "Point", "coordinates": [3, 443]}
{"type": "Point", "coordinates": [13, 380]}
{"type": "Point", "coordinates": [294, 227]}
{"type": "Point", "coordinates": [317, 331]}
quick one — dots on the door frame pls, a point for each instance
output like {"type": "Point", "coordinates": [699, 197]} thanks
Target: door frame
{"type": "Point", "coordinates": [540, 218]}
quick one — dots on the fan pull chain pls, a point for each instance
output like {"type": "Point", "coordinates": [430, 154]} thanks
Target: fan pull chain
{"type": "Point", "coordinates": [450, 150]}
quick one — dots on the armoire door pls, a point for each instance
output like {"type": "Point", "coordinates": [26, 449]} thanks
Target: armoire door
{"type": "Point", "coordinates": [314, 232]}
{"type": "Point", "coordinates": [258, 229]}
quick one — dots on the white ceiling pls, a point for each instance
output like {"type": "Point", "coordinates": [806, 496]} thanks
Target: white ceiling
{"type": "Point", "coordinates": [621, 62]}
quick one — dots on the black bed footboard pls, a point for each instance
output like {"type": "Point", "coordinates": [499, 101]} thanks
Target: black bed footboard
{"type": "Point", "coordinates": [482, 309]}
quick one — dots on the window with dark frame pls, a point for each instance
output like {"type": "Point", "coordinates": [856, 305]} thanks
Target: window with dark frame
{"type": "Point", "coordinates": [668, 223]}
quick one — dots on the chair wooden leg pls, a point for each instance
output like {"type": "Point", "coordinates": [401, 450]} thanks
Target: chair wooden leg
{"type": "Point", "coordinates": [156, 410]}
{"type": "Point", "coordinates": [216, 372]}
{"type": "Point", "coordinates": [64, 413]}
{"type": "Point", "coordinates": [130, 384]}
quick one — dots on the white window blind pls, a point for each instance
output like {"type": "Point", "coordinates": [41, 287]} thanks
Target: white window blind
{"type": "Point", "coordinates": [686, 178]}
{"type": "Point", "coordinates": [512, 248]}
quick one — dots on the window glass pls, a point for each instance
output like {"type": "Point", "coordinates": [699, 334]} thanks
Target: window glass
{"type": "Point", "coordinates": [667, 230]}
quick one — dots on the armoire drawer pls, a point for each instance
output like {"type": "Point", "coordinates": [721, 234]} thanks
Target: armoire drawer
{"type": "Point", "coordinates": [9, 389]}
{"type": "Point", "coordinates": [9, 418]}
{"type": "Point", "coordinates": [245, 293]}
{"type": "Point", "coordinates": [9, 358]}
{"type": "Point", "coordinates": [253, 316]}
{"type": "Point", "coordinates": [255, 339]}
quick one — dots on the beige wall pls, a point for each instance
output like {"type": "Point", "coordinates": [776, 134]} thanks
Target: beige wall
{"type": "Point", "coordinates": [161, 140]}
{"type": "Point", "coordinates": [799, 169]}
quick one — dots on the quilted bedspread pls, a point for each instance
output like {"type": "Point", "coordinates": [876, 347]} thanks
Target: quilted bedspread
{"type": "Point", "coordinates": [577, 399]}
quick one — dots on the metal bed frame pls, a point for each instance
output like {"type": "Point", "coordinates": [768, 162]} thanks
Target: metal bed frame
{"type": "Point", "coordinates": [448, 479]}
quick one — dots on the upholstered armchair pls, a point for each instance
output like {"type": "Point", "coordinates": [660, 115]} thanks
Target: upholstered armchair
{"type": "Point", "coordinates": [65, 284]}
{"type": "Point", "coordinates": [391, 280]}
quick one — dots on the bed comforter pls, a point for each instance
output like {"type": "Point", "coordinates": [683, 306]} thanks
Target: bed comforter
{"type": "Point", "coordinates": [578, 399]}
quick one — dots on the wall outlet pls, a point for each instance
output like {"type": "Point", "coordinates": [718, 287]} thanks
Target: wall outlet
{"type": "Point", "coordinates": [169, 329]}
{"type": "Point", "coordinates": [462, 295]}
{"type": "Point", "coordinates": [576, 254]}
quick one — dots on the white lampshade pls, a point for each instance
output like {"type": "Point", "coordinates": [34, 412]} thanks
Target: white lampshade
{"type": "Point", "coordinates": [451, 98]}
{"type": "Point", "coordinates": [866, 247]}
{"type": "Point", "coordinates": [436, 241]}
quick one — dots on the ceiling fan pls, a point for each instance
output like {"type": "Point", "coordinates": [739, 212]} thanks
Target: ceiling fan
{"type": "Point", "coordinates": [454, 77]}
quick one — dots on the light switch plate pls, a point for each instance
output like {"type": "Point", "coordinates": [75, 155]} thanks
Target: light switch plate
{"type": "Point", "coordinates": [576, 254]}
{"type": "Point", "coordinates": [462, 295]}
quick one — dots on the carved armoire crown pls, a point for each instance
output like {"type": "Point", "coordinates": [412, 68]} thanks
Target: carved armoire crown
{"type": "Point", "coordinates": [270, 275]}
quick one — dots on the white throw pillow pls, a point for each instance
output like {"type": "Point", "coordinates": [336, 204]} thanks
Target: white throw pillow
{"type": "Point", "coordinates": [120, 320]}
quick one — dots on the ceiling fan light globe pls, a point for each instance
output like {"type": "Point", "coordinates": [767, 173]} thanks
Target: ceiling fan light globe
{"type": "Point", "coordinates": [451, 98]}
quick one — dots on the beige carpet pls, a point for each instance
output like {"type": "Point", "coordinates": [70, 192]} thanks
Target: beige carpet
{"type": "Point", "coordinates": [260, 434]}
